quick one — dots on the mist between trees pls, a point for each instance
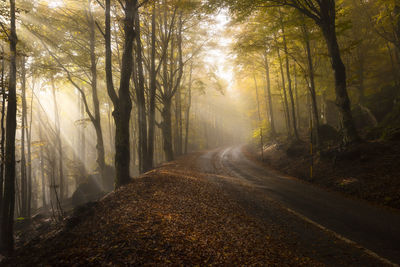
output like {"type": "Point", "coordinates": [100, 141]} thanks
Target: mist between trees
{"type": "Point", "coordinates": [96, 92]}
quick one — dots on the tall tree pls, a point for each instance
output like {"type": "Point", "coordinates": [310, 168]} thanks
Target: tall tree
{"type": "Point", "coordinates": [288, 75]}
{"type": "Point", "coordinates": [96, 117]}
{"type": "Point", "coordinates": [141, 101]}
{"type": "Point", "coordinates": [24, 178]}
{"type": "Point", "coordinates": [122, 101]}
{"type": "Point", "coordinates": [269, 95]}
{"type": "Point", "coordinates": [7, 218]}
{"type": "Point", "coordinates": [323, 12]}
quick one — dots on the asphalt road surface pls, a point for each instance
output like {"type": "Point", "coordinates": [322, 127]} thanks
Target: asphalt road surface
{"type": "Point", "coordinates": [371, 229]}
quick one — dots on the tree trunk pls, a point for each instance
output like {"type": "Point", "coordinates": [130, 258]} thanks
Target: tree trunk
{"type": "Point", "coordinates": [29, 143]}
{"type": "Point", "coordinates": [167, 130]}
{"type": "Point", "coordinates": [62, 189]}
{"type": "Point", "coordinates": [178, 123]}
{"type": "Point", "coordinates": [24, 180]}
{"type": "Point", "coordinates": [42, 171]}
{"type": "Point", "coordinates": [3, 113]}
{"type": "Point", "coordinates": [296, 135]}
{"type": "Point", "coordinates": [7, 219]}
{"type": "Point", "coordinates": [394, 67]}
{"type": "Point", "coordinates": [396, 25]}
{"type": "Point", "coordinates": [141, 102]}
{"type": "Point", "coordinates": [325, 18]}
{"type": "Point", "coordinates": [96, 104]}
{"type": "Point", "coordinates": [350, 134]}
{"type": "Point", "coordinates": [123, 103]}
{"type": "Point", "coordinates": [286, 106]}
{"type": "Point", "coordinates": [152, 92]}
{"type": "Point", "coordinates": [189, 104]}
{"type": "Point", "coordinates": [269, 95]}
{"type": "Point", "coordinates": [82, 136]}
{"type": "Point", "coordinates": [296, 92]}
{"type": "Point", "coordinates": [259, 118]}
{"type": "Point", "coordinates": [311, 86]}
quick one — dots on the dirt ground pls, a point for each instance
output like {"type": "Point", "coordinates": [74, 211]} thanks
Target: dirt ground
{"type": "Point", "coordinates": [181, 214]}
{"type": "Point", "coordinates": [369, 171]}
{"type": "Point", "coordinates": [162, 218]}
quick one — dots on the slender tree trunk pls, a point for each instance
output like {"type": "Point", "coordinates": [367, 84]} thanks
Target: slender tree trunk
{"type": "Point", "coordinates": [167, 130]}
{"type": "Point", "coordinates": [189, 104]}
{"type": "Point", "coordinates": [152, 91]}
{"type": "Point", "coordinates": [180, 148]}
{"type": "Point", "coordinates": [29, 143]}
{"type": "Point", "coordinates": [24, 181]}
{"type": "Point", "coordinates": [173, 72]}
{"type": "Point", "coordinates": [296, 92]}
{"type": "Point", "coordinates": [311, 86]}
{"type": "Point", "coordinates": [3, 113]}
{"type": "Point", "coordinates": [394, 68]}
{"type": "Point", "coordinates": [270, 105]}
{"type": "Point", "coordinates": [284, 109]}
{"type": "Point", "coordinates": [396, 26]}
{"type": "Point", "coordinates": [286, 106]}
{"type": "Point", "coordinates": [259, 118]}
{"type": "Point", "coordinates": [62, 189]}
{"type": "Point", "coordinates": [178, 123]}
{"type": "Point", "coordinates": [82, 138]}
{"type": "Point", "coordinates": [42, 171]}
{"type": "Point", "coordinates": [296, 135]}
{"type": "Point", "coordinates": [7, 218]}
{"type": "Point", "coordinates": [141, 102]}
{"type": "Point", "coordinates": [96, 120]}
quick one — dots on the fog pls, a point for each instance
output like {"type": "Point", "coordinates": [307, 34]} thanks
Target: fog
{"type": "Point", "coordinates": [109, 91]}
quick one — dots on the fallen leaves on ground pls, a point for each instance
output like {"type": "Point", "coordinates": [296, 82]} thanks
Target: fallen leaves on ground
{"type": "Point", "coordinates": [163, 218]}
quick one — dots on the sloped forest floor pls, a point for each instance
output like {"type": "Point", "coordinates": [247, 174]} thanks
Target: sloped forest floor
{"type": "Point", "coordinates": [163, 219]}
{"type": "Point", "coordinates": [177, 215]}
{"type": "Point", "coordinates": [368, 171]}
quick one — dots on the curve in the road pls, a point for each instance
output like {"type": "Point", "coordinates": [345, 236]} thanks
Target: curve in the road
{"type": "Point", "coordinates": [375, 229]}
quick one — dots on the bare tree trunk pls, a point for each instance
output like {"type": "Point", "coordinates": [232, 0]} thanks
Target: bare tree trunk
{"type": "Point", "coordinates": [189, 104]}
{"type": "Point", "coordinates": [7, 218]}
{"type": "Point", "coordinates": [394, 68]}
{"type": "Point", "coordinates": [141, 102]}
{"type": "Point", "coordinates": [271, 110]}
{"type": "Point", "coordinates": [296, 92]}
{"type": "Point", "coordinates": [3, 113]}
{"type": "Point", "coordinates": [62, 185]}
{"type": "Point", "coordinates": [122, 102]}
{"type": "Point", "coordinates": [96, 120]}
{"type": "Point", "coordinates": [286, 106]}
{"type": "Point", "coordinates": [178, 123]}
{"type": "Point", "coordinates": [311, 86]}
{"type": "Point", "coordinates": [152, 91]}
{"type": "Point", "coordinates": [82, 138]}
{"type": "Point", "coordinates": [24, 181]}
{"type": "Point", "coordinates": [167, 130]}
{"type": "Point", "coordinates": [173, 72]}
{"type": "Point", "coordinates": [42, 171]}
{"type": "Point", "coordinates": [29, 143]}
{"type": "Point", "coordinates": [259, 118]}
{"type": "Point", "coordinates": [296, 135]}
{"type": "Point", "coordinates": [325, 18]}
{"type": "Point", "coordinates": [328, 28]}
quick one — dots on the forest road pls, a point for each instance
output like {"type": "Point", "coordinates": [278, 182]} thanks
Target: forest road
{"type": "Point", "coordinates": [374, 230]}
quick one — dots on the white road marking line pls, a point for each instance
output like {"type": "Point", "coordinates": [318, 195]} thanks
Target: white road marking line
{"type": "Point", "coordinates": [338, 236]}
